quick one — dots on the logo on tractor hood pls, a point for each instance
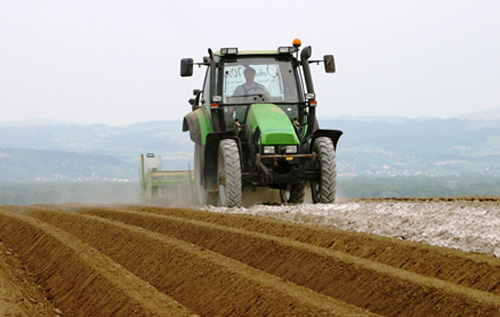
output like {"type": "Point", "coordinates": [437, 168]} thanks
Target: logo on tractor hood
{"type": "Point", "coordinates": [278, 130]}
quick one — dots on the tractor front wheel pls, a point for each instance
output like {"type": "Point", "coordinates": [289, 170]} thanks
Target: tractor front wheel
{"type": "Point", "coordinates": [323, 190]}
{"type": "Point", "coordinates": [229, 174]}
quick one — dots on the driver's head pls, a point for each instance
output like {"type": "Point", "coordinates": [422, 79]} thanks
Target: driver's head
{"type": "Point", "coordinates": [249, 74]}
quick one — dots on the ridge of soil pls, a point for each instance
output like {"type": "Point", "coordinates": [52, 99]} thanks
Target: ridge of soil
{"type": "Point", "coordinates": [19, 293]}
{"type": "Point", "coordinates": [454, 265]}
{"type": "Point", "coordinates": [153, 261]}
{"type": "Point", "coordinates": [80, 280]}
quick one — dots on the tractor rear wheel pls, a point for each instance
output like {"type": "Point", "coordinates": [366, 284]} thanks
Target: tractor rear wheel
{"type": "Point", "coordinates": [323, 191]}
{"type": "Point", "coordinates": [201, 196]}
{"type": "Point", "coordinates": [229, 174]}
{"type": "Point", "coordinates": [199, 190]}
{"type": "Point", "coordinates": [211, 198]}
{"type": "Point", "coordinates": [294, 193]}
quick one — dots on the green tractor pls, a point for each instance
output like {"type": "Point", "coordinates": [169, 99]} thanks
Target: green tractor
{"type": "Point", "coordinates": [254, 124]}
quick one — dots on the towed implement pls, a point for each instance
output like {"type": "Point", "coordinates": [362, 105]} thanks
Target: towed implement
{"type": "Point", "coordinates": [254, 124]}
{"type": "Point", "coordinates": [163, 187]}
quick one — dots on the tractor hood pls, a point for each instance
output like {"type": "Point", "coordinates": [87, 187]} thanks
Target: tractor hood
{"type": "Point", "coordinates": [273, 123]}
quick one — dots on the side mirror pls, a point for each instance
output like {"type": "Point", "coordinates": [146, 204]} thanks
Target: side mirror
{"type": "Point", "coordinates": [186, 67]}
{"type": "Point", "coordinates": [329, 63]}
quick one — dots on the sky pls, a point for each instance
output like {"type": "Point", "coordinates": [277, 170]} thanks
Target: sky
{"type": "Point", "coordinates": [117, 62]}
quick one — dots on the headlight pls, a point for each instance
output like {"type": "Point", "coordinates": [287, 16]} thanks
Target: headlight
{"type": "Point", "coordinates": [291, 149]}
{"type": "Point", "coordinates": [269, 149]}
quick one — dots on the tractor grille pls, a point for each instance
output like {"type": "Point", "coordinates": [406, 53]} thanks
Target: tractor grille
{"type": "Point", "coordinates": [274, 138]}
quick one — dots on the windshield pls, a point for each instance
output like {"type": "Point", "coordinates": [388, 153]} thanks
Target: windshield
{"type": "Point", "coordinates": [252, 80]}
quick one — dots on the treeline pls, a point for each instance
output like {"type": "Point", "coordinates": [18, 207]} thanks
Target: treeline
{"type": "Point", "coordinates": [57, 192]}
{"type": "Point", "coordinates": [18, 164]}
{"type": "Point", "coordinates": [382, 147]}
{"type": "Point", "coordinates": [418, 186]}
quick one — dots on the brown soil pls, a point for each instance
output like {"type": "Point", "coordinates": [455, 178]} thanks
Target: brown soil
{"type": "Point", "coordinates": [136, 260]}
{"type": "Point", "coordinates": [19, 293]}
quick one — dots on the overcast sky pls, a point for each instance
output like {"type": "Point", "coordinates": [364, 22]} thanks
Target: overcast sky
{"type": "Point", "coordinates": [117, 62]}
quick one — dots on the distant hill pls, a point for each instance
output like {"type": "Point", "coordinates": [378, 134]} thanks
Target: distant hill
{"type": "Point", "coordinates": [163, 138]}
{"type": "Point", "coordinates": [48, 165]}
{"type": "Point", "coordinates": [487, 114]}
{"type": "Point", "coordinates": [369, 147]}
{"type": "Point", "coordinates": [430, 147]}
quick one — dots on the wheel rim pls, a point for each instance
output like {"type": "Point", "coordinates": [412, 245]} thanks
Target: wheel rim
{"type": "Point", "coordinates": [316, 191]}
{"type": "Point", "coordinates": [285, 194]}
{"type": "Point", "coordinates": [316, 186]}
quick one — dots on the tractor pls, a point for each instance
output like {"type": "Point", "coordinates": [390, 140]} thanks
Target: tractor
{"type": "Point", "coordinates": [254, 124]}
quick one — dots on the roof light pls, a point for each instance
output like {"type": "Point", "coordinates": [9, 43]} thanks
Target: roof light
{"type": "Point", "coordinates": [297, 43]}
{"type": "Point", "coordinates": [285, 50]}
{"type": "Point", "coordinates": [229, 51]}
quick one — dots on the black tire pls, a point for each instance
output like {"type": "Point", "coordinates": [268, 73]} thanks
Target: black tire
{"type": "Point", "coordinates": [229, 174]}
{"type": "Point", "coordinates": [199, 190]}
{"type": "Point", "coordinates": [211, 198]}
{"type": "Point", "coordinates": [324, 190]}
{"type": "Point", "coordinates": [201, 196]}
{"type": "Point", "coordinates": [294, 193]}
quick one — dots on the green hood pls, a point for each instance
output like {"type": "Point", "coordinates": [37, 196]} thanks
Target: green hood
{"type": "Point", "coordinates": [274, 125]}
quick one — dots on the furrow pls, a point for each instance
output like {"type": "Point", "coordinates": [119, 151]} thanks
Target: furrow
{"type": "Point", "coordinates": [204, 281]}
{"type": "Point", "coordinates": [80, 280]}
{"type": "Point", "coordinates": [477, 271]}
{"type": "Point", "coordinates": [378, 287]}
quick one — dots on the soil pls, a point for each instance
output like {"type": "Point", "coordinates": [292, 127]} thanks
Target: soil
{"type": "Point", "coordinates": [413, 258]}
{"type": "Point", "coordinates": [19, 293]}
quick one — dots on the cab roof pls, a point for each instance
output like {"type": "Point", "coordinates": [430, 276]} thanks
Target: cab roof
{"type": "Point", "coordinates": [254, 52]}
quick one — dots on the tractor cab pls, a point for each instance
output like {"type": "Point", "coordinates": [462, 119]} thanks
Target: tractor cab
{"type": "Point", "coordinates": [266, 79]}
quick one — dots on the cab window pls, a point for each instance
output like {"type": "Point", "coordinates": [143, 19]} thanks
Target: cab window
{"type": "Point", "coordinates": [252, 80]}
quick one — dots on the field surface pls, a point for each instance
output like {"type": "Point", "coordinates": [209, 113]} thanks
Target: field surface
{"type": "Point", "coordinates": [388, 257]}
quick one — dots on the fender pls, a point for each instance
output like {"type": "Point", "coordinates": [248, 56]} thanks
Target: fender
{"type": "Point", "coordinates": [198, 123]}
{"type": "Point", "coordinates": [212, 155]}
{"type": "Point", "coordinates": [334, 135]}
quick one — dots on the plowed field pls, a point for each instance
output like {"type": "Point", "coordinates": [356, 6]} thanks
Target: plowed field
{"type": "Point", "coordinates": [81, 260]}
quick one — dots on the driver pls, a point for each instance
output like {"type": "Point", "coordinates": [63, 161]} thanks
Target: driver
{"type": "Point", "coordinates": [250, 90]}
{"type": "Point", "coordinates": [250, 87]}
